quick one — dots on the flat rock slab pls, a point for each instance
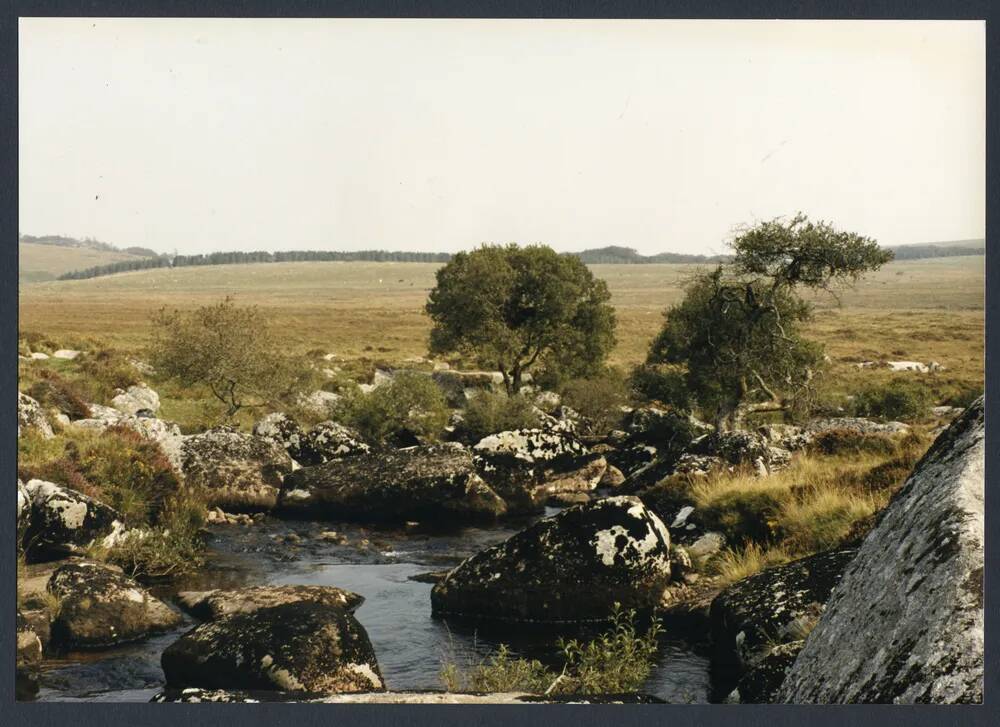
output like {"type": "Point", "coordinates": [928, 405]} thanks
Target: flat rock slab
{"type": "Point", "coordinates": [905, 624]}
{"type": "Point", "coordinates": [212, 605]}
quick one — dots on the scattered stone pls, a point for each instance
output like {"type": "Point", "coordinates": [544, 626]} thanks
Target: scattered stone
{"type": "Point", "coordinates": [909, 628]}
{"type": "Point", "coordinates": [569, 498]}
{"type": "Point", "coordinates": [215, 604]}
{"type": "Point", "coordinates": [38, 356]}
{"type": "Point", "coordinates": [332, 536]}
{"type": "Point", "coordinates": [31, 416]}
{"type": "Point", "coordinates": [907, 366]}
{"type": "Point", "coordinates": [65, 522]}
{"type": "Point", "coordinates": [856, 424]}
{"type": "Point", "coordinates": [547, 401]}
{"type": "Point", "coordinates": [612, 477]}
{"type": "Point", "coordinates": [570, 567]}
{"type": "Point", "coordinates": [430, 577]}
{"type": "Point", "coordinates": [136, 398]}
{"type": "Point", "coordinates": [301, 646]}
{"type": "Point", "coordinates": [234, 470]}
{"type": "Point", "coordinates": [321, 403]}
{"type": "Point", "coordinates": [66, 354]}
{"type": "Point", "coordinates": [100, 607]}
{"type": "Point", "coordinates": [193, 695]}
{"type": "Point", "coordinates": [702, 549]}
{"type": "Point", "coordinates": [437, 482]}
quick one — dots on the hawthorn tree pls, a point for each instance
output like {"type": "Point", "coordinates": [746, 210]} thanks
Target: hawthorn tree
{"type": "Point", "coordinates": [736, 338]}
{"type": "Point", "coordinates": [514, 308]}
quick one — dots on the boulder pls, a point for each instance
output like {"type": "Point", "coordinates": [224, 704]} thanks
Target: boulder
{"type": "Point", "coordinates": [135, 399]}
{"type": "Point", "coordinates": [856, 424]}
{"type": "Point", "coordinates": [282, 430]}
{"type": "Point", "coordinates": [761, 682]}
{"type": "Point", "coordinates": [100, 607]}
{"type": "Point", "coordinates": [23, 512]}
{"type": "Point", "coordinates": [27, 660]}
{"type": "Point", "coordinates": [38, 356]}
{"type": "Point", "coordinates": [166, 434]}
{"type": "Point", "coordinates": [437, 482]}
{"type": "Point", "coordinates": [321, 403]}
{"type": "Point", "coordinates": [460, 386]}
{"type": "Point", "coordinates": [612, 477]}
{"type": "Point", "coordinates": [300, 646]}
{"type": "Point", "coordinates": [329, 440]}
{"type": "Point", "coordinates": [775, 606]}
{"type": "Point", "coordinates": [527, 466]}
{"type": "Point", "coordinates": [67, 354]}
{"type": "Point", "coordinates": [64, 521]}
{"type": "Point", "coordinates": [235, 471]}
{"type": "Point", "coordinates": [215, 604]}
{"type": "Point", "coordinates": [917, 366]}
{"type": "Point", "coordinates": [31, 416]}
{"type": "Point", "coordinates": [909, 628]}
{"type": "Point", "coordinates": [571, 567]}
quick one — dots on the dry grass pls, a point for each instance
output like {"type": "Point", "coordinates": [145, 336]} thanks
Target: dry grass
{"type": "Point", "coordinates": [735, 564]}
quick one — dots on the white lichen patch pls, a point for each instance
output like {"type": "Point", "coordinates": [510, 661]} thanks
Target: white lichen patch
{"type": "Point", "coordinates": [368, 673]}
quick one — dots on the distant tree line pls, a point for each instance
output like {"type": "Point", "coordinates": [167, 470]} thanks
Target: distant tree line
{"type": "Point", "coordinates": [615, 255]}
{"type": "Point", "coordinates": [917, 252]}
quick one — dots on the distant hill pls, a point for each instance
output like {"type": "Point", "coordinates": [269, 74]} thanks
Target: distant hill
{"type": "Point", "coordinates": [47, 257]}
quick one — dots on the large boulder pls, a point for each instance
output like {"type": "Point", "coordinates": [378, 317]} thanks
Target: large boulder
{"type": "Point", "coordinates": [300, 646]}
{"type": "Point", "coordinates": [527, 466]}
{"type": "Point", "coordinates": [23, 511]}
{"type": "Point", "coordinates": [571, 567]}
{"type": "Point", "coordinates": [136, 399]}
{"type": "Point", "coordinates": [329, 440]}
{"type": "Point", "coordinates": [856, 424]}
{"type": "Point", "coordinates": [31, 416]}
{"type": "Point", "coordinates": [235, 471]}
{"type": "Point", "coordinates": [437, 482]}
{"type": "Point", "coordinates": [215, 604]}
{"type": "Point", "coordinates": [905, 624]}
{"type": "Point", "coordinates": [100, 607]}
{"type": "Point", "coordinates": [64, 521]}
{"type": "Point", "coordinates": [773, 607]}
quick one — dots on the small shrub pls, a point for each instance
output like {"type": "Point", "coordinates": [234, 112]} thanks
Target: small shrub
{"type": "Point", "coordinates": [599, 399]}
{"type": "Point", "coordinates": [663, 383]}
{"type": "Point", "coordinates": [51, 390]}
{"type": "Point", "coordinates": [849, 441]}
{"type": "Point", "coordinates": [409, 402]}
{"type": "Point", "coordinates": [492, 412]}
{"type": "Point", "coordinates": [962, 395]}
{"type": "Point", "coordinates": [108, 369]}
{"type": "Point", "coordinates": [897, 400]}
{"type": "Point", "coordinates": [169, 550]}
{"type": "Point", "coordinates": [735, 565]}
{"type": "Point", "coordinates": [505, 673]}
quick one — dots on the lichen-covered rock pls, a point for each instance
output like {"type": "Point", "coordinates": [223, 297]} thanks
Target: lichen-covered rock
{"type": "Point", "coordinates": [28, 659]}
{"type": "Point", "coordinates": [100, 607]}
{"type": "Point", "coordinates": [905, 624]}
{"type": "Point", "coordinates": [761, 682]}
{"type": "Point", "coordinates": [31, 416]}
{"type": "Point", "coordinates": [212, 605]}
{"type": "Point", "coordinates": [775, 606]}
{"type": "Point", "coordinates": [571, 567]}
{"type": "Point", "coordinates": [527, 466]}
{"type": "Point", "coordinates": [329, 440]}
{"type": "Point", "coordinates": [437, 482]}
{"type": "Point", "coordinates": [194, 695]}
{"type": "Point", "coordinates": [235, 471]}
{"type": "Point", "coordinates": [460, 386]}
{"type": "Point", "coordinates": [301, 646]}
{"type": "Point", "coordinates": [23, 511]}
{"type": "Point", "coordinates": [321, 403]}
{"type": "Point", "coordinates": [856, 424]}
{"type": "Point", "coordinates": [64, 521]}
{"type": "Point", "coordinates": [135, 399]}
{"type": "Point", "coordinates": [282, 430]}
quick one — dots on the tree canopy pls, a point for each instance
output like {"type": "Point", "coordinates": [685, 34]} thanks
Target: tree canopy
{"type": "Point", "coordinates": [513, 308]}
{"type": "Point", "coordinates": [737, 338]}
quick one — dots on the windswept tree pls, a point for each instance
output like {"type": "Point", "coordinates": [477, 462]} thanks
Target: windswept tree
{"type": "Point", "coordinates": [228, 349]}
{"type": "Point", "coordinates": [514, 308]}
{"type": "Point", "coordinates": [736, 339]}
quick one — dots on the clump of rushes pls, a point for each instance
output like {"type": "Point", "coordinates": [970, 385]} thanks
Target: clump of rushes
{"type": "Point", "coordinates": [617, 662]}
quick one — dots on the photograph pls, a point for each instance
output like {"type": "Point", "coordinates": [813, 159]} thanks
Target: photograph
{"type": "Point", "coordinates": [499, 361]}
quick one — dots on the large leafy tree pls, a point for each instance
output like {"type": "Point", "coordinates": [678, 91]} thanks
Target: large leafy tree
{"type": "Point", "coordinates": [736, 338]}
{"type": "Point", "coordinates": [514, 308]}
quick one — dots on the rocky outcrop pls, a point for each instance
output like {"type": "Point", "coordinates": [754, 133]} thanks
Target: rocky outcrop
{"type": "Point", "coordinates": [571, 567]}
{"type": "Point", "coordinates": [761, 682]}
{"type": "Point", "coordinates": [100, 607]}
{"type": "Point", "coordinates": [64, 521]}
{"type": "Point", "coordinates": [301, 646]}
{"type": "Point", "coordinates": [329, 440]}
{"type": "Point", "coordinates": [215, 604]}
{"type": "Point", "coordinates": [775, 606]}
{"type": "Point", "coordinates": [527, 466]}
{"type": "Point", "coordinates": [909, 628]}
{"type": "Point", "coordinates": [320, 403]}
{"type": "Point", "coordinates": [193, 695]}
{"type": "Point", "coordinates": [282, 430]}
{"type": "Point", "coordinates": [235, 471]}
{"type": "Point", "coordinates": [28, 659]}
{"type": "Point", "coordinates": [856, 424]}
{"type": "Point", "coordinates": [437, 482]}
{"type": "Point", "coordinates": [31, 417]}
{"type": "Point", "coordinates": [136, 399]}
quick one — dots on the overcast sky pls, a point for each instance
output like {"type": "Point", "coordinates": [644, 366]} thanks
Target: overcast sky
{"type": "Point", "coordinates": [199, 135]}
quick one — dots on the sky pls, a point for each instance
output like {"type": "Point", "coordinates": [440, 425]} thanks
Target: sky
{"type": "Point", "coordinates": [197, 135]}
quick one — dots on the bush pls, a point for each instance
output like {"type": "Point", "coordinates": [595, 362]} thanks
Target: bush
{"type": "Point", "coordinates": [108, 369]}
{"type": "Point", "coordinates": [598, 399]}
{"type": "Point", "coordinates": [898, 400]}
{"type": "Point", "coordinates": [962, 395]}
{"type": "Point", "coordinates": [55, 392]}
{"type": "Point", "coordinates": [662, 383]}
{"type": "Point", "coordinates": [616, 662]}
{"type": "Point", "coordinates": [849, 441]}
{"type": "Point", "coordinates": [492, 412]}
{"type": "Point", "coordinates": [410, 402]}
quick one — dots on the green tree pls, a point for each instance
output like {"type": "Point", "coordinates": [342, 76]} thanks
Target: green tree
{"type": "Point", "coordinates": [228, 349]}
{"type": "Point", "coordinates": [737, 334]}
{"type": "Point", "coordinates": [514, 308]}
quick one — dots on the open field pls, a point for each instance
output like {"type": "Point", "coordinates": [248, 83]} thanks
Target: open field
{"type": "Point", "coordinates": [46, 262]}
{"type": "Point", "coordinates": [923, 309]}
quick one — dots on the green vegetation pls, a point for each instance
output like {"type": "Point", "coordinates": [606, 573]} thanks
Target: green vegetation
{"type": "Point", "coordinates": [228, 349]}
{"type": "Point", "coordinates": [515, 308]}
{"type": "Point", "coordinates": [899, 400]}
{"type": "Point", "coordinates": [598, 399]}
{"type": "Point", "coordinates": [411, 402]}
{"type": "Point", "coordinates": [52, 391]}
{"type": "Point", "coordinates": [616, 662]}
{"type": "Point", "coordinates": [738, 333]}
{"type": "Point", "coordinates": [491, 412]}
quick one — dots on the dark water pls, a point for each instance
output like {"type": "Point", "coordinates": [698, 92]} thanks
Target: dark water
{"type": "Point", "coordinates": [409, 642]}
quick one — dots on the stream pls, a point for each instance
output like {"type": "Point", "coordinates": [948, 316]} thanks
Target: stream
{"type": "Point", "coordinates": [410, 644]}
